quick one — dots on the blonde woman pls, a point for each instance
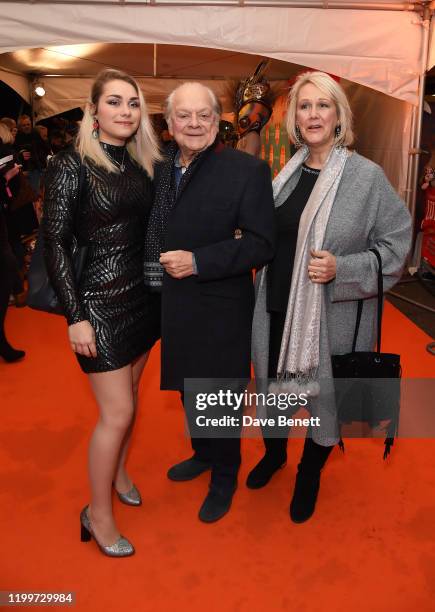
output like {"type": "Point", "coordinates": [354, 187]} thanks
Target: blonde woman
{"type": "Point", "coordinates": [112, 321]}
{"type": "Point", "coordinates": [331, 207]}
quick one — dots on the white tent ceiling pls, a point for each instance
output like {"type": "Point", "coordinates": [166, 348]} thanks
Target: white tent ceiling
{"type": "Point", "coordinates": [380, 49]}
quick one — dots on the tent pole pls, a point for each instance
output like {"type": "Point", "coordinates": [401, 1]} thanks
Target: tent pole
{"type": "Point", "coordinates": [415, 150]}
{"type": "Point", "coordinates": [32, 98]}
{"type": "Point", "coordinates": [409, 183]}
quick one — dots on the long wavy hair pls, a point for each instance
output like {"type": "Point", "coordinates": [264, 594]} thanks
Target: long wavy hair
{"type": "Point", "coordinates": [142, 146]}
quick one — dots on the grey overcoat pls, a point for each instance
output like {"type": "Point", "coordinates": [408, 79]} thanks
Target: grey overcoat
{"type": "Point", "coordinates": [366, 213]}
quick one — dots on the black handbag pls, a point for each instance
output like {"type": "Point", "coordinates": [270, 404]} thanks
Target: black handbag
{"type": "Point", "coordinates": [367, 384]}
{"type": "Point", "coordinates": [41, 295]}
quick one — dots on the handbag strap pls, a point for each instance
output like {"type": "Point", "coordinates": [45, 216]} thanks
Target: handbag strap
{"type": "Point", "coordinates": [380, 301]}
{"type": "Point", "coordinates": [380, 296]}
{"type": "Point", "coordinates": [358, 321]}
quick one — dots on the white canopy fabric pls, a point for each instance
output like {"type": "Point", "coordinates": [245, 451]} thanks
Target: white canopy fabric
{"type": "Point", "coordinates": [380, 49]}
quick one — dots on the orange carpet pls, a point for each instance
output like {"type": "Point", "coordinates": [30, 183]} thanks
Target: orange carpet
{"type": "Point", "coordinates": [370, 545]}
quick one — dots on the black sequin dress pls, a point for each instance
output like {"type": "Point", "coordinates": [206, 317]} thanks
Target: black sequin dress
{"type": "Point", "coordinates": [112, 219]}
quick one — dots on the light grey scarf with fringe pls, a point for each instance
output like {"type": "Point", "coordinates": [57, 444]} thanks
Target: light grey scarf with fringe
{"type": "Point", "coordinates": [299, 355]}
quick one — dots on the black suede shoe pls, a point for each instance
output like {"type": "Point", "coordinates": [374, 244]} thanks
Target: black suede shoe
{"type": "Point", "coordinates": [260, 475]}
{"type": "Point", "coordinates": [216, 504]}
{"type": "Point", "coordinates": [188, 469]}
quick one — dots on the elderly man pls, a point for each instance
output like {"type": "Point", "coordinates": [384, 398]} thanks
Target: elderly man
{"type": "Point", "coordinates": [212, 223]}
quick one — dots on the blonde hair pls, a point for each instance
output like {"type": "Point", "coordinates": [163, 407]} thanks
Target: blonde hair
{"type": "Point", "coordinates": [6, 135]}
{"type": "Point", "coordinates": [10, 123]}
{"type": "Point", "coordinates": [142, 146]}
{"type": "Point", "coordinates": [333, 90]}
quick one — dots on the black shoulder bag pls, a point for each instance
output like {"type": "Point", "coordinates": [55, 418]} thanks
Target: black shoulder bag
{"type": "Point", "coordinates": [368, 383]}
{"type": "Point", "coordinates": [41, 295]}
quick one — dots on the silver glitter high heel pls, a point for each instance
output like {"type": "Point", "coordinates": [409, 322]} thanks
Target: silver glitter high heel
{"type": "Point", "coordinates": [121, 548]}
{"type": "Point", "coordinates": [131, 498]}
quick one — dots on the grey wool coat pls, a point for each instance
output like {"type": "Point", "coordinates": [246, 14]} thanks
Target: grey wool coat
{"type": "Point", "coordinates": [366, 213]}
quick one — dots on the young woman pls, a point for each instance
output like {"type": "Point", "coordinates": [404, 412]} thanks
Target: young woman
{"type": "Point", "coordinates": [112, 321]}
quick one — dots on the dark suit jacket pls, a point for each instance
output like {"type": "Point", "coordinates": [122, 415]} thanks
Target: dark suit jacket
{"type": "Point", "coordinates": [207, 319]}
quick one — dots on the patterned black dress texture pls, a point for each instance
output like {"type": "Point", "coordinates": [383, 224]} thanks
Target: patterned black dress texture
{"type": "Point", "coordinates": [112, 219]}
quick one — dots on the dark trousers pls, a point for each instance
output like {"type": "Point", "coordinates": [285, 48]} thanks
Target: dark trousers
{"type": "Point", "coordinates": [4, 301]}
{"type": "Point", "coordinates": [20, 222]}
{"type": "Point", "coordinates": [223, 454]}
{"type": "Point", "coordinates": [9, 275]}
{"type": "Point", "coordinates": [276, 447]}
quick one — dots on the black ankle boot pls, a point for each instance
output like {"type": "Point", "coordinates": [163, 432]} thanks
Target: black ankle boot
{"type": "Point", "coordinates": [307, 483]}
{"type": "Point", "coordinates": [274, 459]}
{"type": "Point", "coordinates": [10, 354]}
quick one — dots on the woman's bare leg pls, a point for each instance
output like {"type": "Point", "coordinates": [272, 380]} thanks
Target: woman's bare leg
{"type": "Point", "coordinates": [114, 394]}
{"type": "Point", "coordinates": [122, 481]}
